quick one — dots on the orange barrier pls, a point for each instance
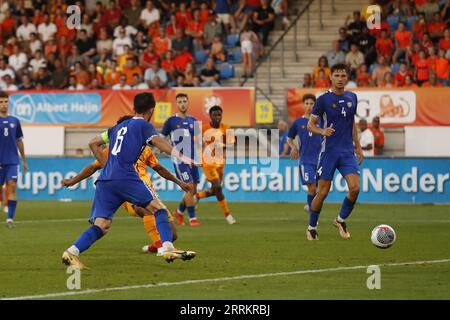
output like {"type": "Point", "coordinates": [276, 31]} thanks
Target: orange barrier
{"type": "Point", "coordinates": [396, 107]}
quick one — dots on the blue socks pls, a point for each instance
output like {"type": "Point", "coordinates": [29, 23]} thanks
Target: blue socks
{"type": "Point", "coordinates": [181, 207]}
{"type": "Point", "coordinates": [88, 238]}
{"type": "Point", "coordinates": [12, 204]}
{"type": "Point", "coordinates": [163, 225]}
{"type": "Point", "coordinates": [310, 199]}
{"type": "Point", "coordinates": [346, 209]}
{"type": "Point", "coordinates": [313, 218]}
{"type": "Point", "coordinates": [191, 212]}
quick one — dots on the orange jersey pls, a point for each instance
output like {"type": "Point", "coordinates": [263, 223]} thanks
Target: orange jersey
{"type": "Point", "coordinates": [211, 136]}
{"type": "Point", "coordinates": [147, 158]}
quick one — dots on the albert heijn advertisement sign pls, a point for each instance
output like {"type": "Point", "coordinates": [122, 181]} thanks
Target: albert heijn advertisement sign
{"type": "Point", "coordinates": [50, 108]}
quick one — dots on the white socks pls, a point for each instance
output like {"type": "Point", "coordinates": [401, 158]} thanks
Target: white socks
{"type": "Point", "coordinates": [74, 250]}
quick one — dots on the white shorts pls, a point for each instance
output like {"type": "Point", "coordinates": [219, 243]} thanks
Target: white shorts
{"type": "Point", "coordinates": [247, 46]}
{"type": "Point", "coordinates": [223, 17]}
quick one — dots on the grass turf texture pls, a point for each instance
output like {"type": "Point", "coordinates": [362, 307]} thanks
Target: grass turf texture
{"type": "Point", "coordinates": [268, 238]}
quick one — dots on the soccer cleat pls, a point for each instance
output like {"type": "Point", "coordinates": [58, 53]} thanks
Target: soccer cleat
{"type": "Point", "coordinates": [149, 249]}
{"type": "Point", "coordinates": [10, 223]}
{"type": "Point", "coordinates": [72, 260]}
{"type": "Point", "coordinates": [194, 222]}
{"type": "Point", "coordinates": [179, 217]}
{"type": "Point", "coordinates": [312, 234]}
{"type": "Point", "coordinates": [230, 219]}
{"type": "Point", "coordinates": [342, 226]}
{"type": "Point", "coordinates": [173, 254]}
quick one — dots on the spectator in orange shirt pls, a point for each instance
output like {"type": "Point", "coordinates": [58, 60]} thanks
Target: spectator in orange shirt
{"type": "Point", "coordinates": [384, 44]}
{"type": "Point", "coordinates": [64, 31]}
{"type": "Point", "coordinates": [322, 64]}
{"type": "Point", "coordinates": [37, 18]}
{"type": "Point", "coordinates": [403, 39]}
{"type": "Point", "coordinates": [194, 27]}
{"type": "Point", "coordinates": [388, 81]}
{"type": "Point", "coordinates": [444, 43]}
{"type": "Point", "coordinates": [173, 26]}
{"type": "Point", "coordinates": [426, 41]}
{"type": "Point", "coordinates": [422, 68]}
{"type": "Point", "coordinates": [81, 74]}
{"type": "Point", "coordinates": [148, 56]}
{"type": "Point", "coordinates": [204, 13]}
{"type": "Point", "coordinates": [432, 58]}
{"type": "Point", "coordinates": [183, 15]}
{"type": "Point", "coordinates": [363, 78]}
{"type": "Point", "coordinates": [442, 68]}
{"type": "Point", "coordinates": [436, 28]}
{"type": "Point", "coordinates": [112, 74]}
{"type": "Point", "coordinates": [419, 26]}
{"type": "Point", "coordinates": [378, 136]}
{"type": "Point", "coordinates": [401, 74]}
{"type": "Point", "coordinates": [130, 69]}
{"type": "Point", "coordinates": [112, 15]}
{"type": "Point", "coordinates": [409, 83]}
{"type": "Point", "coordinates": [322, 81]}
{"type": "Point", "coordinates": [182, 58]}
{"type": "Point", "coordinates": [162, 43]}
{"type": "Point", "coordinates": [94, 75]}
{"type": "Point", "coordinates": [432, 81]}
{"type": "Point", "coordinates": [8, 25]}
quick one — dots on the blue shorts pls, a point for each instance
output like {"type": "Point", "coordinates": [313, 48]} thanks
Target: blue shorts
{"type": "Point", "coordinates": [8, 172]}
{"type": "Point", "coordinates": [111, 194]}
{"type": "Point", "coordinates": [308, 173]}
{"type": "Point", "coordinates": [186, 173]}
{"type": "Point", "coordinates": [346, 163]}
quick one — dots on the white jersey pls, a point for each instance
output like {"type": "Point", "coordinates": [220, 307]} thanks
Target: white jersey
{"type": "Point", "coordinates": [365, 140]}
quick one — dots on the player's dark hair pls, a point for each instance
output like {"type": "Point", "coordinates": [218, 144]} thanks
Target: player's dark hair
{"type": "Point", "coordinates": [309, 96]}
{"type": "Point", "coordinates": [3, 94]}
{"type": "Point", "coordinates": [123, 118]}
{"type": "Point", "coordinates": [181, 95]}
{"type": "Point", "coordinates": [215, 108]}
{"type": "Point", "coordinates": [339, 67]}
{"type": "Point", "coordinates": [144, 102]}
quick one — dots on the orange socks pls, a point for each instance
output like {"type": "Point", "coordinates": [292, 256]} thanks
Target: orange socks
{"type": "Point", "coordinates": [150, 227]}
{"type": "Point", "coordinates": [223, 204]}
{"type": "Point", "coordinates": [201, 194]}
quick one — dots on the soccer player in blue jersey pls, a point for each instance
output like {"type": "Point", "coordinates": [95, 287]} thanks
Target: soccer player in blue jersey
{"type": "Point", "coordinates": [10, 141]}
{"type": "Point", "coordinates": [182, 128]}
{"type": "Point", "coordinates": [119, 182]}
{"type": "Point", "coordinates": [308, 149]}
{"type": "Point", "coordinates": [336, 109]}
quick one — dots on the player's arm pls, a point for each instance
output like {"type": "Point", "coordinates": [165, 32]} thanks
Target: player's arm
{"type": "Point", "coordinates": [358, 149]}
{"type": "Point", "coordinates": [312, 127]}
{"type": "Point", "coordinates": [85, 173]}
{"type": "Point", "coordinates": [294, 149]}
{"type": "Point", "coordinates": [21, 148]}
{"type": "Point", "coordinates": [165, 147]}
{"type": "Point", "coordinates": [96, 145]}
{"type": "Point", "coordinates": [166, 174]}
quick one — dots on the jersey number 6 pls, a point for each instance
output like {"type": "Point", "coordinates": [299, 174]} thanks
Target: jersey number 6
{"type": "Point", "coordinates": [119, 141]}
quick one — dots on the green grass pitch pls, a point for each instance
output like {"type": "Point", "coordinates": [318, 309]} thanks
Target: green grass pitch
{"type": "Point", "coordinates": [257, 258]}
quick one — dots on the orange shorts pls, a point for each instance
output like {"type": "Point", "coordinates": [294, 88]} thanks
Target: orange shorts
{"type": "Point", "coordinates": [213, 172]}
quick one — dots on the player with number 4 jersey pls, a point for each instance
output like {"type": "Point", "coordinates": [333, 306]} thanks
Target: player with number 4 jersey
{"type": "Point", "coordinates": [336, 110]}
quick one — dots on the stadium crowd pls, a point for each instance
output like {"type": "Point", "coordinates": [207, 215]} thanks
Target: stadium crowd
{"type": "Point", "coordinates": [131, 44]}
{"type": "Point", "coordinates": [411, 47]}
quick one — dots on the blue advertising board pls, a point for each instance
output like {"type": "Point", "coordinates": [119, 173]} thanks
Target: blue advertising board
{"type": "Point", "coordinates": [383, 180]}
{"type": "Point", "coordinates": [56, 107]}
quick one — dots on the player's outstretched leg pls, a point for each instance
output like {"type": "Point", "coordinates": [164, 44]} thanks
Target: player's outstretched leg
{"type": "Point", "coordinates": [217, 189]}
{"type": "Point", "coordinates": [179, 212]}
{"type": "Point", "coordinates": [165, 232]}
{"type": "Point", "coordinates": [347, 205]}
{"type": "Point", "coordinates": [316, 207]}
{"type": "Point", "coordinates": [71, 256]}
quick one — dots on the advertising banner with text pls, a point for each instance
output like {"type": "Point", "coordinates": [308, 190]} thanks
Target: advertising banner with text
{"type": "Point", "coordinates": [102, 108]}
{"type": "Point", "coordinates": [395, 107]}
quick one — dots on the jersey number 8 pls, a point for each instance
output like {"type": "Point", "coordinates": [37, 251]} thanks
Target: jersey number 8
{"type": "Point", "coordinates": [119, 141]}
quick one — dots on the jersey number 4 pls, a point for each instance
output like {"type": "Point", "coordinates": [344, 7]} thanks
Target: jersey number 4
{"type": "Point", "coordinates": [119, 141]}
{"type": "Point", "coordinates": [343, 112]}
{"type": "Point", "coordinates": [6, 132]}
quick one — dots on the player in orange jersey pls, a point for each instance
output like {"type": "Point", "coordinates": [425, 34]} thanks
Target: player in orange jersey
{"type": "Point", "coordinates": [215, 139]}
{"type": "Point", "coordinates": [147, 158]}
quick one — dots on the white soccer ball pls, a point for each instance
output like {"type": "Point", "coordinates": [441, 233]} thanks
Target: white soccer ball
{"type": "Point", "coordinates": [383, 236]}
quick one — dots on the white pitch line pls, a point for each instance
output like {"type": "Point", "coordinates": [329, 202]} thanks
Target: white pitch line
{"type": "Point", "coordinates": [240, 219]}
{"type": "Point", "coordinates": [250, 276]}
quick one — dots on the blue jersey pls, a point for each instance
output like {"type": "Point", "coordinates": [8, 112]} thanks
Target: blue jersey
{"type": "Point", "coordinates": [283, 141]}
{"type": "Point", "coordinates": [126, 142]}
{"type": "Point", "coordinates": [182, 130]}
{"type": "Point", "coordinates": [339, 111]}
{"type": "Point", "coordinates": [10, 131]}
{"type": "Point", "coordinates": [309, 144]}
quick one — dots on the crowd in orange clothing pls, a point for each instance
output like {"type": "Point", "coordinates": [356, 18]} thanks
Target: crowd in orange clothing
{"type": "Point", "coordinates": [411, 47]}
